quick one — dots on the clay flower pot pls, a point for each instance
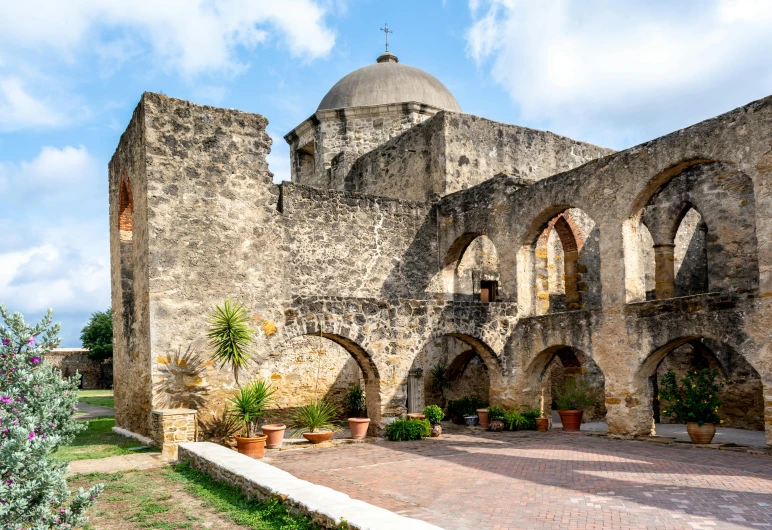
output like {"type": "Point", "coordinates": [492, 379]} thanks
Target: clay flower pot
{"type": "Point", "coordinates": [701, 434]}
{"type": "Point", "coordinates": [571, 419]}
{"type": "Point", "coordinates": [275, 434]}
{"type": "Point", "coordinates": [317, 437]}
{"type": "Point", "coordinates": [436, 430]}
{"type": "Point", "coordinates": [542, 424]}
{"type": "Point", "coordinates": [482, 414]}
{"type": "Point", "coordinates": [470, 420]}
{"type": "Point", "coordinates": [251, 447]}
{"type": "Point", "coordinates": [358, 427]}
{"type": "Point", "coordinates": [496, 426]}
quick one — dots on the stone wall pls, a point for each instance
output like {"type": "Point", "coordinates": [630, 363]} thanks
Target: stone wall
{"type": "Point", "coordinates": [75, 360]}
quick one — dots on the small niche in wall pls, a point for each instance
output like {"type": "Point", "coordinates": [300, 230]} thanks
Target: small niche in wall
{"type": "Point", "coordinates": [489, 291]}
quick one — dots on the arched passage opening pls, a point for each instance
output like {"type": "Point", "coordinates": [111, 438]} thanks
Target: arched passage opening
{"type": "Point", "coordinates": [320, 366]}
{"type": "Point", "coordinates": [471, 269]}
{"type": "Point", "coordinates": [471, 368]}
{"type": "Point", "coordinates": [559, 263]}
{"type": "Point", "coordinates": [695, 233]}
{"type": "Point", "coordinates": [125, 236]}
{"type": "Point", "coordinates": [742, 394]}
{"type": "Point", "coordinates": [553, 366]}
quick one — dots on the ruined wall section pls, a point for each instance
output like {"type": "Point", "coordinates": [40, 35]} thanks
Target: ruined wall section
{"type": "Point", "coordinates": [129, 276]}
{"type": "Point", "coordinates": [347, 244]}
{"type": "Point", "coordinates": [454, 151]}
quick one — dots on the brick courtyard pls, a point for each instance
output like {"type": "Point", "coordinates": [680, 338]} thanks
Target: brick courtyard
{"type": "Point", "coordinates": [546, 480]}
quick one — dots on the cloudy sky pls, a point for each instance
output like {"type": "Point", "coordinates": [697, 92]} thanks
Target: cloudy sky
{"type": "Point", "coordinates": [71, 73]}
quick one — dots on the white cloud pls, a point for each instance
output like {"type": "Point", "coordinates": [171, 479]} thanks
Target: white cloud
{"type": "Point", "coordinates": [622, 73]}
{"type": "Point", "coordinates": [54, 247]}
{"type": "Point", "coordinates": [18, 108]}
{"type": "Point", "coordinates": [192, 36]}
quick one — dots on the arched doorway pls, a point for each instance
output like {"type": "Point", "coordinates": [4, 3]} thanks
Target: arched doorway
{"type": "Point", "coordinates": [742, 394]}
{"type": "Point", "coordinates": [471, 269]}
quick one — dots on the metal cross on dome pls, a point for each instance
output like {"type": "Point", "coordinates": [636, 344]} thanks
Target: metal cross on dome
{"type": "Point", "coordinates": [386, 30]}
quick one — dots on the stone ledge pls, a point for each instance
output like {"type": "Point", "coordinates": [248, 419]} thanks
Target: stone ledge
{"type": "Point", "coordinates": [128, 434]}
{"type": "Point", "coordinates": [325, 506]}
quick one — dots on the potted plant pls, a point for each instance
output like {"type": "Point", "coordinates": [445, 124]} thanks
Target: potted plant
{"type": "Point", "coordinates": [542, 422]}
{"type": "Point", "coordinates": [695, 402]}
{"type": "Point", "coordinates": [440, 381]}
{"type": "Point", "coordinates": [495, 419]}
{"type": "Point", "coordinates": [247, 406]}
{"type": "Point", "coordinates": [275, 435]}
{"type": "Point", "coordinates": [434, 416]}
{"type": "Point", "coordinates": [315, 421]}
{"type": "Point", "coordinates": [466, 406]}
{"type": "Point", "coordinates": [482, 415]}
{"type": "Point", "coordinates": [571, 399]}
{"type": "Point", "coordinates": [358, 422]}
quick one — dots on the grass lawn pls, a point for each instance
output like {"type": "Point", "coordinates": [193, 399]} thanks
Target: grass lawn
{"type": "Point", "coordinates": [98, 441]}
{"type": "Point", "coordinates": [100, 398]}
{"type": "Point", "coordinates": [177, 497]}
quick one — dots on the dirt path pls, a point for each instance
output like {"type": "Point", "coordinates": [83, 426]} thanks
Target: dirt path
{"type": "Point", "coordinates": [113, 464]}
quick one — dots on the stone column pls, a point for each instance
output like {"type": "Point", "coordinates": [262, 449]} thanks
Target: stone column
{"type": "Point", "coordinates": [573, 298]}
{"type": "Point", "coordinates": [664, 271]}
{"type": "Point", "coordinates": [172, 427]}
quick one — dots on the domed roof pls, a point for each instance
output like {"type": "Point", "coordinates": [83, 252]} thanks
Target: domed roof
{"type": "Point", "coordinates": [388, 81]}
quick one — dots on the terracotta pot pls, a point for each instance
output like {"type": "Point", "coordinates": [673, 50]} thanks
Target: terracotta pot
{"type": "Point", "coordinates": [470, 420]}
{"type": "Point", "coordinates": [317, 437]}
{"type": "Point", "coordinates": [571, 419]}
{"type": "Point", "coordinates": [496, 426]}
{"type": "Point", "coordinates": [542, 424]}
{"type": "Point", "coordinates": [275, 434]}
{"type": "Point", "coordinates": [416, 416]}
{"type": "Point", "coordinates": [358, 427]}
{"type": "Point", "coordinates": [436, 430]}
{"type": "Point", "coordinates": [482, 414]}
{"type": "Point", "coordinates": [701, 434]}
{"type": "Point", "coordinates": [251, 447]}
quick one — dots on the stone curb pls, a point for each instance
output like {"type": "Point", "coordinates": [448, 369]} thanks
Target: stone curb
{"type": "Point", "coordinates": [128, 434]}
{"type": "Point", "coordinates": [327, 507]}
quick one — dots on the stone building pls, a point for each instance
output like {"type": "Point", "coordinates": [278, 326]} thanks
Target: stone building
{"type": "Point", "coordinates": [94, 374]}
{"type": "Point", "coordinates": [413, 234]}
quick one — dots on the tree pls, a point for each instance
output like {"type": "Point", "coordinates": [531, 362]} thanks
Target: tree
{"type": "Point", "coordinates": [97, 335]}
{"type": "Point", "coordinates": [36, 417]}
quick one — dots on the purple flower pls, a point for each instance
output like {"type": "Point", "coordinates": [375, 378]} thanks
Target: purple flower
{"type": "Point", "coordinates": [6, 341]}
{"type": "Point", "coordinates": [31, 340]}
{"type": "Point", "coordinates": [35, 360]}
{"type": "Point", "coordinates": [5, 399]}
{"type": "Point", "coordinates": [31, 436]}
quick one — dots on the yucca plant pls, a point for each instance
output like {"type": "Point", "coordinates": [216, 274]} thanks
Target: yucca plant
{"type": "Point", "coordinates": [230, 336]}
{"type": "Point", "coordinates": [314, 417]}
{"type": "Point", "coordinates": [440, 381]}
{"type": "Point", "coordinates": [248, 405]}
{"type": "Point", "coordinates": [355, 402]}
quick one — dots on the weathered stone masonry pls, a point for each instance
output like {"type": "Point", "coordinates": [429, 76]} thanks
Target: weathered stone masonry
{"type": "Point", "coordinates": [376, 277]}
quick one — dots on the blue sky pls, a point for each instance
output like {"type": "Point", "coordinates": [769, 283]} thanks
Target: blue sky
{"type": "Point", "coordinates": [71, 74]}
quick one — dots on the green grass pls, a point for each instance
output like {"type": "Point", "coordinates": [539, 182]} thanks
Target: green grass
{"type": "Point", "coordinates": [100, 398]}
{"type": "Point", "coordinates": [98, 441]}
{"type": "Point", "coordinates": [231, 503]}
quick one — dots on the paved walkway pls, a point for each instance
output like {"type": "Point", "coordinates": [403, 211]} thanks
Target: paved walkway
{"type": "Point", "coordinates": [546, 480]}
{"type": "Point", "coordinates": [90, 412]}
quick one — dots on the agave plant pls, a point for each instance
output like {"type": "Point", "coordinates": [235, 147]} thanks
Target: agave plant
{"type": "Point", "coordinates": [440, 381]}
{"type": "Point", "coordinates": [230, 336]}
{"type": "Point", "coordinates": [314, 417]}
{"type": "Point", "coordinates": [248, 405]}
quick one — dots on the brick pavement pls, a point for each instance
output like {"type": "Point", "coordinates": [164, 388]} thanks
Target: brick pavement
{"type": "Point", "coordinates": [546, 480]}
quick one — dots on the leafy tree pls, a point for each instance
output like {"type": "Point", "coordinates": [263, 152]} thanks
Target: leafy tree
{"type": "Point", "coordinates": [97, 335]}
{"type": "Point", "coordinates": [36, 417]}
{"type": "Point", "coordinates": [695, 398]}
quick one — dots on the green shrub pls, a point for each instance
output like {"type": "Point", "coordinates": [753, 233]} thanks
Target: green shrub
{"type": "Point", "coordinates": [434, 414]}
{"type": "Point", "coordinates": [355, 403]}
{"type": "Point", "coordinates": [530, 414]}
{"type": "Point", "coordinates": [247, 405]}
{"type": "Point", "coordinates": [695, 399]}
{"type": "Point", "coordinates": [440, 381]}
{"type": "Point", "coordinates": [405, 430]}
{"type": "Point", "coordinates": [514, 421]}
{"type": "Point", "coordinates": [495, 414]}
{"type": "Point", "coordinates": [575, 394]}
{"type": "Point", "coordinates": [314, 417]}
{"type": "Point", "coordinates": [466, 406]}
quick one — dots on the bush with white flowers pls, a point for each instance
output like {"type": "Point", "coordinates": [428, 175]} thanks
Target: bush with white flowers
{"type": "Point", "coordinates": [36, 417]}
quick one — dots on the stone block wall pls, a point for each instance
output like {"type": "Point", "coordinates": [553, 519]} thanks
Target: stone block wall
{"type": "Point", "coordinates": [75, 360]}
{"type": "Point", "coordinates": [172, 427]}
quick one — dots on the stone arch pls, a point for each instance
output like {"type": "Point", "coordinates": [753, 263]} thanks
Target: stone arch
{"type": "Point", "coordinates": [553, 365]}
{"type": "Point", "coordinates": [743, 394]}
{"type": "Point", "coordinates": [559, 263]}
{"type": "Point", "coordinates": [471, 269]}
{"type": "Point", "coordinates": [723, 197]}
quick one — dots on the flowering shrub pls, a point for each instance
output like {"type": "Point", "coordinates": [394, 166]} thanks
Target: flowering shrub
{"type": "Point", "coordinates": [36, 417]}
{"type": "Point", "coordinates": [695, 399]}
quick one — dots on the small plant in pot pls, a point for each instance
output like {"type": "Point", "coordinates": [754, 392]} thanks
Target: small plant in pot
{"type": "Point", "coordinates": [571, 400]}
{"type": "Point", "coordinates": [496, 419]}
{"type": "Point", "coordinates": [434, 416]}
{"type": "Point", "coordinates": [315, 421]}
{"type": "Point", "coordinates": [358, 421]}
{"type": "Point", "coordinates": [247, 406]}
{"type": "Point", "coordinates": [405, 429]}
{"type": "Point", "coordinates": [542, 422]}
{"type": "Point", "coordinates": [694, 401]}
{"type": "Point", "coordinates": [440, 381]}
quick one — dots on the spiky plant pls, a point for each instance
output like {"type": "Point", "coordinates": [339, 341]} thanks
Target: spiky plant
{"type": "Point", "coordinates": [248, 404]}
{"type": "Point", "coordinates": [314, 417]}
{"type": "Point", "coordinates": [230, 336]}
{"type": "Point", "coordinates": [440, 381]}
